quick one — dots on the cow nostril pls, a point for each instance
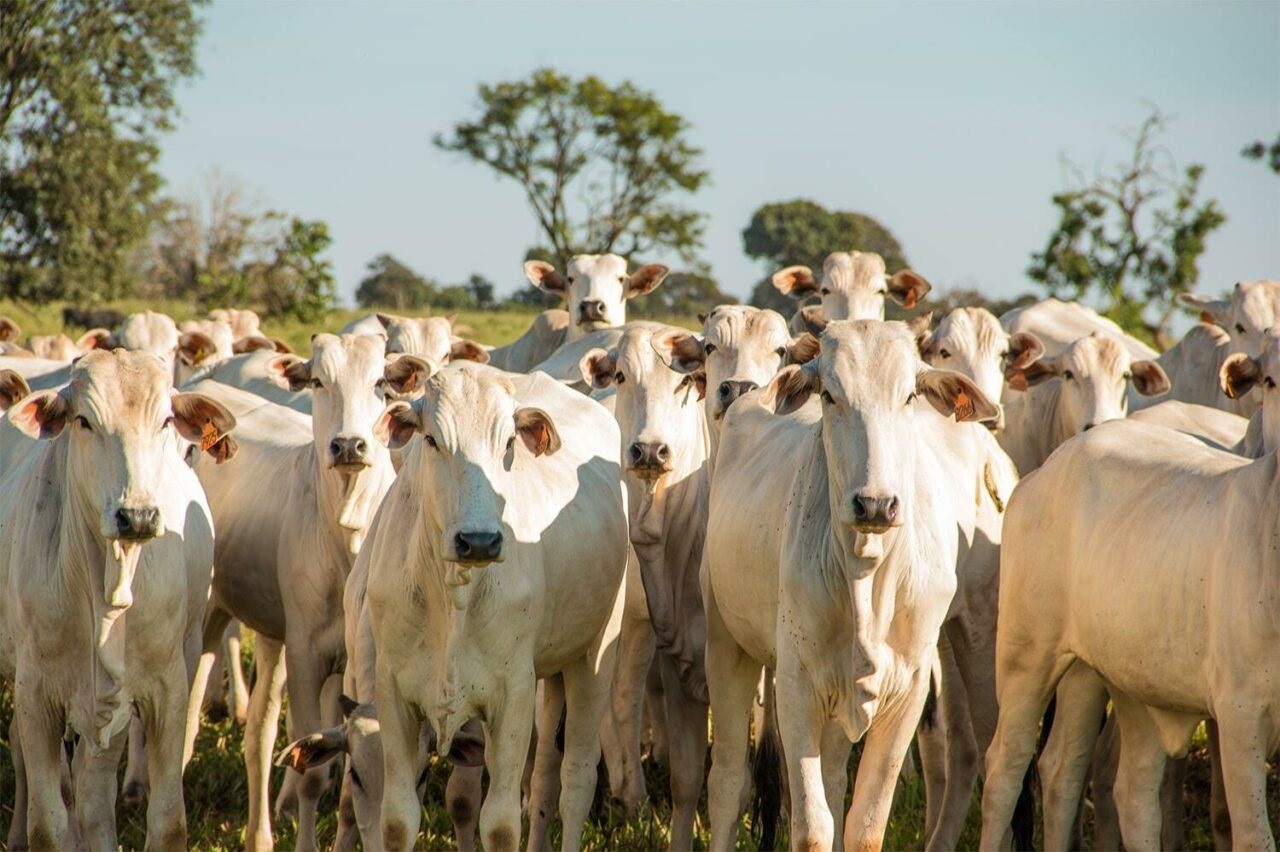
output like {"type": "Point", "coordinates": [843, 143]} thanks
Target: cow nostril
{"type": "Point", "coordinates": [725, 390]}
{"type": "Point", "coordinates": [461, 544]}
{"type": "Point", "coordinates": [891, 510]}
{"type": "Point", "coordinates": [747, 387]}
{"type": "Point", "coordinates": [335, 447]}
{"type": "Point", "coordinates": [859, 508]}
{"type": "Point", "coordinates": [636, 452]}
{"type": "Point", "coordinates": [123, 522]}
{"type": "Point", "coordinates": [663, 452]}
{"type": "Point", "coordinates": [359, 446]}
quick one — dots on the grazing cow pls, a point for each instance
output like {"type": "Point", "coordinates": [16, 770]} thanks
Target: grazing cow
{"type": "Point", "coordinates": [1254, 307]}
{"type": "Point", "coordinates": [430, 338]}
{"type": "Point", "coordinates": [1168, 624]}
{"type": "Point", "coordinates": [831, 551]}
{"type": "Point", "coordinates": [243, 322]}
{"type": "Point", "coordinates": [853, 286]}
{"type": "Point", "coordinates": [106, 547]}
{"type": "Point", "coordinates": [291, 517]}
{"type": "Point", "coordinates": [91, 317]}
{"type": "Point", "coordinates": [1058, 324]}
{"type": "Point", "coordinates": [1058, 396]}
{"type": "Point", "coordinates": [499, 559]}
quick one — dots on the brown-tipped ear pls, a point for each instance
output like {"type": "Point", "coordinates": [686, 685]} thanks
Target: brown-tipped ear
{"type": "Point", "coordinates": [1215, 311]}
{"type": "Point", "coordinates": [815, 321]}
{"type": "Point", "coordinates": [281, 347]}
{"type": "Point", "coordinates": [920, 329]}
{"type": "Point", "coordinates": [252, 343]}
{"type": "Point", "coordinates": [314, 750]}
{"type": "Point", "coordinates": [537, 431]}
{"type": "Point", "coordinates": [290, 372]}
{"type": "Point", "coordinates": [96, 338]}
{"type": "Point", "coordinates": [1040, 370]}
{"type": "Point", "coordinates": [204, 421]}
{"type": "Point", "coordinates": [398, 424]}
{"type": "Point", "coordinates": [407, 373]}
{"type": "Point", "coordinates": [194, 347]}
{"type": "Point", "coordinates": [952, 393]}
{"type": "Point", "coordinates": [908, 287]}
{"type": "Point", "coordinates": [41, 415]}
{"type": "Point", "coordinates": [645, 279]}
{"type": "Point", "coordinates": [468, 350]}
{"type": "Point", "coordinates": [347, 704]}
{"type": "Point", "coordinates": [680, 350]}
{"type": "Point", "coordinates": [466, 749]}
{"type": "Point", "coordinates": [385, 320]}
{"type": "Point", "coordinates": [1024, 350]}
{"type": "Point", "coordinates": [792, 387]}
{"type": "Point", "coordinates": [802, 349]}
{"type": "Point", "coordinates": [1149, 378]}
{"type": "Point", "coordinates": [597, 368]}
{"type": "Point", "coordinates": [12, 388]}
{"type": "Point", "coordinates": [795, 281]}
{"type": "Point", "coordinates": [702, 318]}
{"type": "Point", "coordinates": [544, 276]}
{"type": "Point", "coordinates": [9, 330]}
{"type": "Point", "coordinates": [1238, 375]}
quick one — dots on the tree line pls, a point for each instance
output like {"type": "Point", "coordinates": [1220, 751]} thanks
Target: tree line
{"type": "Point", "coordinates": [87, 91]}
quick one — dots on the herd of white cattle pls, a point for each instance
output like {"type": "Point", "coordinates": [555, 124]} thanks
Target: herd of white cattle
{"type": "Point", "coordinates": [806, 533]}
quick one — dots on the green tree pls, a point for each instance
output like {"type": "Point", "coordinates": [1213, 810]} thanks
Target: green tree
{"type": "Point", "coordinates": [391, 284]}
{"type": "Point", "coordinates": [299, 280]}
{"type": "Point", "coordinates": [599, 165]}
{"type": "Point", "coordinates": [85, 88]}
{"type": "Point", "coordinates": [1259, 150]}
{"type": "Point", "coordinates": [481, 290]}
{"type": "Point", "coordinates": [801, 231]}
{"type": "Point", "coordinates": [1132, 237]}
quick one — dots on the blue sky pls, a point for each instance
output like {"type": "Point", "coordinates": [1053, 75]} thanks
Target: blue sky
{"type": "Point", "coordinates": [946, 121]}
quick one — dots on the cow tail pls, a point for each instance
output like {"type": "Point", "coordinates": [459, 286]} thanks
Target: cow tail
{"type": "Point", "coordinates": [766, 772]}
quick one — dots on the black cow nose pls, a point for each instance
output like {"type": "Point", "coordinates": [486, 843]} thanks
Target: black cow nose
{"type": "Point", "coordinates": [653, 455]}
{"type": "Point", "coordinates": [875, 511]}
{"type": "Point", "coordinates": [348, 450]}
{"type": "Point", "coordinates": [138, 524]}
{"type": "Point", "coordinates": [478, 546]}
{"type": "Point", "coordinates": [731, 390]}
{"type": "Point", "coordinates": [591, 310]}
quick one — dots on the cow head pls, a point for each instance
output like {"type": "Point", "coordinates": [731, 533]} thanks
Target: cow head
{"type": "Point", "coordinates": [243, 323]}
{"type": "Point", "coordinates": [871, 382]}
{"type": "Point", "coordinates": [1241, 373]}
{"type": "Point", "coordinates": [202, 343]}
{"type": "Point", "coordinates": [147, 332]}
{"type": "Point", "coordinates": [1092, 378]}
{"type": "Point", "coordinates": [595, 288]}
{"type": "Point", "coordinates": [475, 436]}
{"type": "Point", "coordinates": [429, 338]}
{"type": "Point", "coordinates": [1254, 307]}
{"type": "Point", "coordinates": [972, 342]}
{"type": "Point", "coordinates": [853, 286]}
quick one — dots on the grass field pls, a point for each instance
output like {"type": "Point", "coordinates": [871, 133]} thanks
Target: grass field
{"type": "Point", "coordinates": [216, 793]}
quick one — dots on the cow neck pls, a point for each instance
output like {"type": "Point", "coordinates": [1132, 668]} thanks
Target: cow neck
{"type": "Point", "coordinates": [348, 502]}
{"type": "Point", "coordinates": [1047, 409]}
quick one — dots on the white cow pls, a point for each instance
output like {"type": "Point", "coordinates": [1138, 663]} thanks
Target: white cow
{"type": "Point", "coordinates": [1242, 375]}
{"type": "Point", "coordinates": [853, 286]}
{"type": "Point", "coordinates": [831, 556]}
{"type": "Point", "coordinates": [59, 347]}
{"type": "Point", "coordinates": [291, 517]}
{"type": "Point", "coordinates": [1254, 307]}
{"type": "Point", "coordinates": [430, 338]}
{"type": "Point", "coordinates": [1115, 584]}
{"type": "Point", "coordinates": [544, 336]}
{"type": "Point", "coordinates": [1058, 324]}
{"type": "Point", "coordinates": [106, 547]}
{"type": "Point", "coordinates": [243, 322]}
{"type": "Point", "coordinates": [499, 559]}
{"type": "Point", "coordinates": [1193, 366]}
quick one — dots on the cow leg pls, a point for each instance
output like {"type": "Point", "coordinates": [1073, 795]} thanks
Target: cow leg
{"type": "Point", "coordinates": [164, 727]}
{"type": "Point", "coordinates": [308, 671]}
{"type": "Point", "coordinates": [462, 795]}
{"type": "Point", "coordinates": [544, 791]}
{"type": "Point", "coordinates": [1142, 762]}
{"type": "Point", "coordinates": [233, 661]}
{"type": "Point", "coordinates": [621, 732]}
{"type": "Point", "coordinates": [214, 705]}
{"type": "Point", "coordinates": [286, 805]}
{"type": "Point", "coordinates": [1244, 738]}
{"type": "Point", "coordinates": [586, 697]}
{"type": "Point", "coordinates": [885, 749]}
{"type": "Point", "coordinates": [1064, 763]}
{"type": "Point", "coordinates": [1102, 782]}
{"type": "Point", "coordinates": [687, 744]}
{"type": "Point", "coordinates": [505, 749]}
{"type": "Point", "coordinates": [399, 725]}
{"type": "Point", "coordinates": [135, 772]}
{"type": "Point", "coordinates": [654, 716]}
{"type": "Point", "coordinates": [835, 776]}
{"type": "Point", "coordinates": [215, 622]}
{"type": "Point", "coordinates": [259, 737]}
{"type": "Point", "coordinates": [931, 742]}
{"type": "Point", "coordinates": [800, 721]}
{"type": "Point", "coordinates": [348, 833]}
{"type": "Point", "coordinates": [1219, 816]}
{"type": "Point", "coordinates": [18, 825]}
{"type": "Point", "coordinates": [1172, 808]}
{"type": "Point", "coordinates": [41, 734]}
{"type": "Point", "coordinates": [94, 782]}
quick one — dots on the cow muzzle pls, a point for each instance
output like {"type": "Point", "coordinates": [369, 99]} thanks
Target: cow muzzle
{"type": "Point", "coordinates": [477, 548]}
{"type": "Point", "coordinates": [349, 454]}
{"type": "Point", "coordinates": [876, 514]}
{"type": "Point", "coordinates": [137, 524]}
{"type": "Point", "coordinates": [649, 459]}
{"type": "Point", "coordinates": [591, 311]}
{"type": "Point", "coordinates": [728, 393]}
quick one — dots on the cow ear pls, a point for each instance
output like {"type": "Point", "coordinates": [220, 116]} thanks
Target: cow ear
{"type": "Point", "coordinates": [314, 750]}
{"type": "Point", "coordinates": [385, 319]}
{"type": "Point", "coordinates": [1149, 378]}
{"type": "Point", "coordinates": [908, 287]}
{"type": "Point", "coordinates": [680, 350]}
{"type": "Point", "coordinates": [347, 704]}
{"type": "Point", "coordinates": [803, 349]}
{"type": "Point", "coordinates": [201, 420]}
{"type": "Point", "coordinates": [952, 393]}
{"type": "Point", "coordinates": [537, 431]}
{"type": "Point", "coordinates": [1217, 311]}
{"type": "Point", "coordinates": [700, 382]}
{"type": "Point", "coordinates": [468, 350]}
{"type": "Point", "coordinates": [813, 319]}
{"type": "Point", "coordinates": [252, 343]}
{"type": "Point", "coordinates": [791, 388]}
{"type": "Point", "coordinates": [1238, 375]}
{"type": "Point", "coordinates": [646, 279]}
{"type": "Point", "coordinates": [598, 367]}
{"type": "Point", "coordinates": [467, 749]}
{"type": "Point", "coordinates": [407, 373]}
{"type": "Point", "coordinates": [96, 338]}
{"type": "Point", "coordinates": [41, 415]}
{"type": "Point", "coordinates": [398, 424]}
{"type": "Point", "coordinates": [702, 318]}
{"type": "Point", "coordinates": [544, 276]}
{"type": "Point", "coordinates": [1040, 370]}
{"type": "Point", "coordinates": [12, 388]}
{"type": "Point", "coordinates": [9, 330]}
{"type": "Point", "coordinates": [1024, 350]}
{"type": "Point", "coordinates": [920, 329]}
{"type": "Point", "coordinates": [290, 372]}
{"type": "Point", "coordinates": [194, 347]}
{"type": "Point", "coordinates": [795, 281]}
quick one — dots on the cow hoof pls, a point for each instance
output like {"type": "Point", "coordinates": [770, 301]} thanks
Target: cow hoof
{"type": "Point", "coordinates": [135, 794]}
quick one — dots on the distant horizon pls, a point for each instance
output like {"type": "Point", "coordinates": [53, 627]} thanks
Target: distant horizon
{"type": "Point", "coordinates": [945, 122]}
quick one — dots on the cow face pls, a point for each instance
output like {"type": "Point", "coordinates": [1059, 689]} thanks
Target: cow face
{"type": "Point", "coordinates": [1240, 374]}
{"type": "Point", "coordinates": [474, 437]}
{"type": "Point", "coordinates": [871, 380]}
{"type": "Point", "coordinates": [853, 286]}
{"type": "Point", "coordinates": [429, 338]}
{"type": "Point", "coordinates": [1093, 376]}
{"type": "Point", "coordinates": [243, 323]}
{"type": "Point", "coordinates": [348, 377]}
{"type": "Point", "coordinates": [972, 342]}
{"type": "Point", "coordinates": [596, 288]}
{"type": "Point", "coordinates": [743, 348]}
{"type": "Point", "coordinates": [118, 417]}
{"type": "Point", "coordinates": [201, 343]}
{"type": "Point", "coordinates": [1253, 308]}
{"type": "Point", "coordinates": [657, 371]}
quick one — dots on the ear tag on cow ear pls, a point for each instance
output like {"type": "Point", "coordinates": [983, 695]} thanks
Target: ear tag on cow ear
{"type": "Point", "coordinates": [208, 436]}
{"type": "Point", "coordinates": [964, 406]}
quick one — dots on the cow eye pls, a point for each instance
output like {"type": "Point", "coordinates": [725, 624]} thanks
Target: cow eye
{"type": "Point", "coordinates": [355, 777]}
{"type": "Point", "coordinates": [709, 348]}
{"type": "Point", "coordinates": [911, 397]}
{"type": "Point", "coordinates": [83, 423]}
{"type": "Point", "coordinates": [315, 383]}
{"type": "Point", "coordinates": [622, 279]}
{"type": "Point", "coordinates": [781, 351]}
{"type": "Point", "coordinates": [168, 421]}
{"type": "Point", "coordinates": [619, 378]}
{"type": "Point", "coordinates": [942, 353]}
{"type": "Point", "coordinates": [824, 291]}
{"type": "Point", "coordinates": [1269, 383]}
{"type": "Point", "coordinates": [1127, 375]}
{"type": "Point", "coordinates": [1068, 375]}
{"type": "Point", "coordinates": [826, 397]}
{"type": "Point", "coordinates": [431, 442]}
{"type": "Point", "coordinates": [380, 383]}
{"type": "Point", "coordinates": [511, 443]}
{"type": "Point", "coordinates": [1240, 328]}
